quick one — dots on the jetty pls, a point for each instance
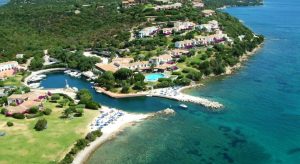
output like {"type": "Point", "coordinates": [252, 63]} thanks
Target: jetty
{"type": "Point", "coordinates": [175, 93]}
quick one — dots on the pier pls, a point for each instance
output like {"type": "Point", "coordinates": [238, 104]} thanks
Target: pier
{"type": "Point", "coordinates": [173, 93]}
{"type": "Point", "coordinates": [176, 94]}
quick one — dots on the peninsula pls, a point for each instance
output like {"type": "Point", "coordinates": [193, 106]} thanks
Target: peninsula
{"type": "Point", "coordinates": [124, 48]}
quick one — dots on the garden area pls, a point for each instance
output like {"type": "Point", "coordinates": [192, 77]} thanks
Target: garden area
{"type": "Point", "coordinates": [51, 144]}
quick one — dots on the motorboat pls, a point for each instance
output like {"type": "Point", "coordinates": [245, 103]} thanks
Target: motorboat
{"type": "Point", "coordinates": [183, 106]}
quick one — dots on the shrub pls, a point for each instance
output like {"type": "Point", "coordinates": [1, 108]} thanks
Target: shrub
{"type": "Point", "coordinates": [176, 73]}
{"type": "Point", "coordinates": [183, 81]}
{"type": "Point", "coordinates": [66, 97]}
{"type": "Point", "coordinates": [18, 116]}
{"type": "Point", "coordinates": [164, 79]}
{"type": "Point", "coordinates": [125, 89]}
{"type": "Point", "coordinates": [97, 133]}
{"type": "Point", "coordinates": [186, 70]}
{"type": "Point", "coordinates": [92, 105]}
{"type": "Point", "coordinates": [81, 143]}
{"type": "Point", "coordinates": [74, 150]}
{"type": "Point", "coordinates": [55, 97]}
{"type": "Point", "coordinates": [40, 125]}
{"type": "Point", "coordinates": [68, 159]}
{"type": "Point", "coordinates": [33, 110]}
{"type": "Point", "coordinates": [4, 111]}
{"type": "Point", "coordinates": [139, 86]}
{"type": "Point", "coordinates": [194, 75]}
{"type": "Point", "coordinates": [13, 104]}
{"type": "Point", "coordinates": [182, 59]}
{"type": "Point", "coordinates": [90, 137]}
{"type": "Point", "coordinates": [9, 124]}
{"type": "Point", "coordinates": [29, 116]}
{"type": "Point", "coordinates": [164, 84]}
{"type": "Point", "coordinates": [47, 111]}
{"type": "Point", "coordinates": [79, 112]}
{"type": "Point", "coordinates": [26, 89]}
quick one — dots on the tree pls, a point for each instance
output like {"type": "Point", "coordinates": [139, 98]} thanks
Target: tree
{"type": "Point", "coordinates": [47, 111]}
{"type": "Point", "coordinates": [194, 75]}
{"type": "Point", "coordinates": [84, 96]}
{"type": "Point", "coordinates": [1, 83]}
{"type": "Point", "coordinates": [36, 63]}
{"type": "Point", "coordinates": [182, 81]}
{"type": "Point", "coordinates": [4, 111]}
{"type": "Point", "coordinates": [79, 112]}
{"type": "Point", "coordinates": [67, 112]}
{"type": "Point", "coordinates": [9, 124]}
{"type": "Point", "coordinates": [139, 77]}
{"type": "Point", "coordinates": [40, 125]}
{"type": "Point", "coordinates": [106, 80]}
{"type": "Point", "coordinates": [33, 110]}
{"type": "Point", "coordinates": [123, 74]}
{"type": "Point", "coordinates": [18, 116]}
{"type": "Point", "coordinates": [55, 97]}
{"type": "Point", "coordinates": [81, 144]}
{"type": "Point", "coordinates": [90, 137]}
{"type": "Point", "coordinates": [125, 89]}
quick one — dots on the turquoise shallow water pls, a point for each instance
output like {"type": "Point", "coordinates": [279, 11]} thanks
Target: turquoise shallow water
{"type": "Point", "coordinates": [154, 76]}
{"type": "Point", "coordinates": [261, 121]}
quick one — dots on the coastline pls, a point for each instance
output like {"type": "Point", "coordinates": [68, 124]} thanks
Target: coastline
{"type": "Point", "coordinates": [108, 133]}
{"type": "Point", "coordinates": [242, 59]}
{"type": "Point", "coordinates": [40, 72]}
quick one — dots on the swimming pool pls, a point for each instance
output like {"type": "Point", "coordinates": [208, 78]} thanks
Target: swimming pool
{"type": "Point", "coordinates": [154, 76]}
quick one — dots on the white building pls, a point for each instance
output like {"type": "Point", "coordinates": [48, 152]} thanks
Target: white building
{"type": "Point", "coordinates": [178, 26]}
{"type": "Point", "coordinates": [185, 44]}
{"type": "Point", "coordinates": [19, 56]}
{"type": "Point", "coordinates": [148, 31]}
{"type": "Point", "coordinates": [168, 7]}
{"type": "Point", "coordinates": [210, 26]}
{"type": "Point", "coordinates": [208, 13]}
{"type": "Point", "coordinates": [162, 59]}
{"type": "Point", "coordinates": [8, 68]}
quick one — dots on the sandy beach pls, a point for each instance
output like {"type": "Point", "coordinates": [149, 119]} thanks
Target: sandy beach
{"type": "Point", "coordinates": [109, 132]}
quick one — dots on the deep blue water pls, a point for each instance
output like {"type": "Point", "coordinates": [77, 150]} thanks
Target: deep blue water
{"type": "Point", "coordinates": [3, 2]}
{"type": "Point", "coordinates": [261, 120]}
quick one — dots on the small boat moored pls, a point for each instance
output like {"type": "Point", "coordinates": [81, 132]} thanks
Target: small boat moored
{"type": "Point", "coordinates": [183, 106]}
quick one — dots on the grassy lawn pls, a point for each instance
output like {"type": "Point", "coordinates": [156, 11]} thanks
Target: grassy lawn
{"type": "Point", "coordinates": [14, 81]}
{"type": "Point", "coordinates": [22, 144]}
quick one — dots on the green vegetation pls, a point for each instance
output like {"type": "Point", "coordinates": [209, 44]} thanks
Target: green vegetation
{"type": "Point", "coordinates": [40, 125]}
{"type": "Point", "coordinates": [18, 116]}
{"type": "Point", "coordinates": [37, 25]}
{"type": "Point", "coordinates": [59, 137]}
{"type": "Point", "coordinates": [9, 124]}
{"type": "Point", "coordinates": [74, 60]}
{"type": "Point", "coordinates": [85, 97]}
{"type": "Point", "coordinates": [47, 111]}
{"type": "Point", "coordinates": [123, 80]}
{"type": "Point", "coordinates": [217, 3]}
{"type": "Point", "coordinates": [80, 144]}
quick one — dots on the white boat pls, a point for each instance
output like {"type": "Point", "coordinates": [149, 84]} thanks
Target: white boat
{"type": "Point", "coordinates": [67, 71]}
{"type": "Point", "coordinates": [75, 89]}
{"type": "Point", "coordinates": [77, 74]}
{"type": "Point", "coordinates": [36, 78]}
{"type": "Point", "coordinates": [34, 85]}
{"type": "Point", "coordinates": [183, 106]}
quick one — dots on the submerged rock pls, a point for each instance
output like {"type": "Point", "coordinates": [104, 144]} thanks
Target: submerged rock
{"type": "Point", "coordinates": [167, 111]}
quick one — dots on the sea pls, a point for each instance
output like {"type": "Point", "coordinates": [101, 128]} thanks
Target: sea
{"type": "Point", "coordinates": [260, 123]}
